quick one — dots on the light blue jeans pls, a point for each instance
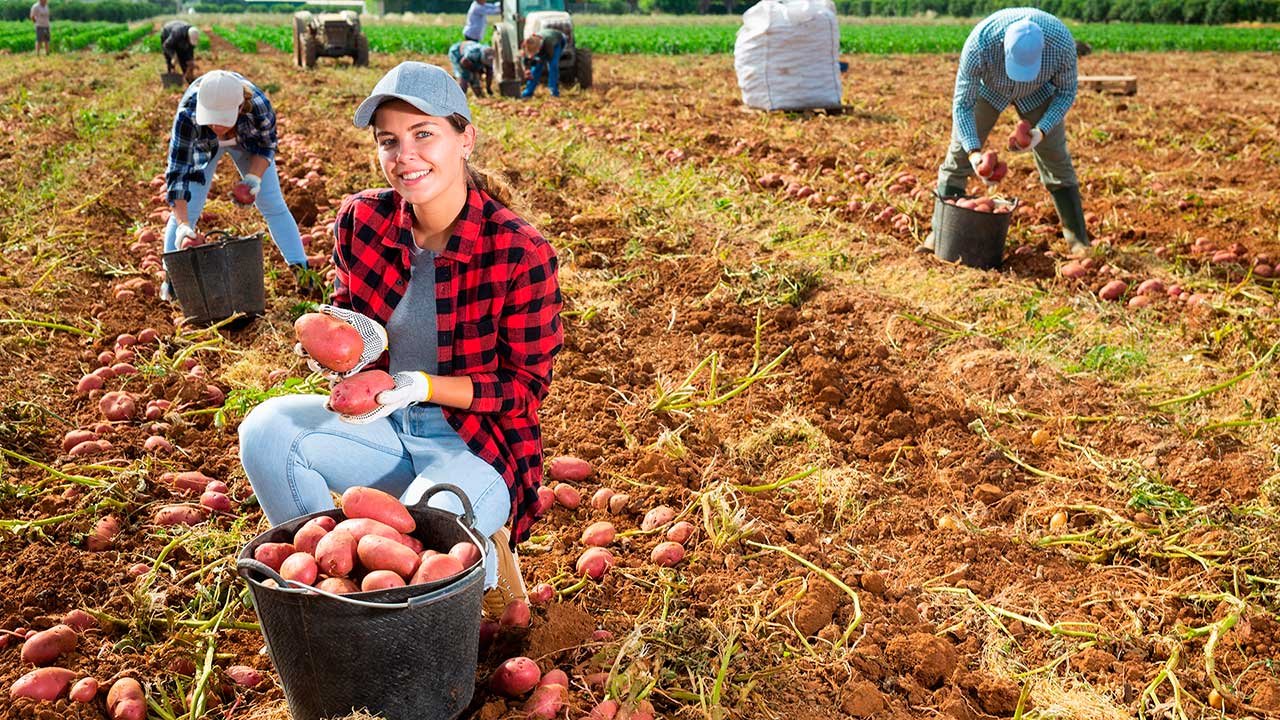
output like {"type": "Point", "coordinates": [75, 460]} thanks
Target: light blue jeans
{"type": "Point", "coordinates": [295, 452]}
{"type": "Point", "coordinates": [553, 73]}
{"type": "Point", "coordinates": [270, 202]}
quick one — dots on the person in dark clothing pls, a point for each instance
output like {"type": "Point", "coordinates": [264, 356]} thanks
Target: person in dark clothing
{"type": "Point", "coordinates": [541, 51]}
{"type": "Point", "coordinates": [178, 41]}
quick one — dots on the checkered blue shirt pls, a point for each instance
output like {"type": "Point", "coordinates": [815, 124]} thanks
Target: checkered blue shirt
{"type": "Point", "coordinates": [192, 146]}
{"type": "Point", "coordinates": [982, 73]}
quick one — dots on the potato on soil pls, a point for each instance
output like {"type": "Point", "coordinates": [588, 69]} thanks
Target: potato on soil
{"type": "Point", "coordinates": [103, 536]}
{"type": "Point", "coordinates": [48, 683]}
{"type": "Point", "coordinates": [358, 394]}
{"type": "Point", "coordinates": [367, 502]}
{"type": "Point", "coordinates": [546, 701]}
{"type": "Point", "coordinates": [657, 517]}
{"type": "Point", "coordinates": [126, 701]}
{"type": "Point", "coordinates": [568, 496]}
{"type": "Point", "coordinates": [594, 562]}
{"type": "Point", "coordinates": [180, 515]}
{"type": "Point", "coordinates": [515, 677]}
{"type": "Point", "coordinates": [46, 646]}
{"type": "Point", "coordinates": [329, 341]}
{"type": "Point", "coordinates": [244, 676]}
{"type": "Point", "coordinates": [599, 534]}
{"type": "Point", "coordinates": [681, 532]}
{"type": "Point", "coordinates": [79, 620]}
{"type": "Point", "coordinates": [667, 554]}
{"type": "Point", "coordinates": [516, 614]}
{"type": "Point", "coordinates": [117, 405]}
{"type": "Point", "coordinates": [567, 468]}
{"type": "Point", "coordinates": [85, 690]}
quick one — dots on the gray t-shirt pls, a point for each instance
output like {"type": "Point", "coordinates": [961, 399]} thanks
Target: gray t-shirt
{"type": "Point", "coordinates": [412, 327]}
{"type": "Point", "coordinates": [40, 13]}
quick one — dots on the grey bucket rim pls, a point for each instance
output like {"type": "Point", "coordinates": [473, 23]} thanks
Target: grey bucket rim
{"type": "Point", "coordinates": [246, 565]}
{"type": "Point", "coordinates": [1013, 204]}
{"type": "Point", "coordinates": [226, 239]}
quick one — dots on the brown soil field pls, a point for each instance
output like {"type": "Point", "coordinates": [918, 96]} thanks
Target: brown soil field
{"type": "Point", "coordinates": [919, 490]}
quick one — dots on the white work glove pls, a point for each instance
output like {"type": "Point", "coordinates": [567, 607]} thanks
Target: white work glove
{"type": "Point", "coordinates": [253, 183]}
{"type": "Point", "coordinates": [411, 387]}
{"type": "Point", "coordinates": [371, 332]}
{"type": "Point", "coordinates": [184, 231]}
{"type": "Point", "coordinates": [1036, 137]}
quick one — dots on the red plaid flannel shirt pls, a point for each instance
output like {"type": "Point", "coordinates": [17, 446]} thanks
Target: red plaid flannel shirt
{"type": "Point", "coordinates": [498, 306]}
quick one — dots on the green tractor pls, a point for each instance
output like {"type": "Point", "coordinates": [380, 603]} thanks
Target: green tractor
{"type": "Point", "coordinates": [522, 18]}
{"type": "Point", "coordinates": [328, 35]}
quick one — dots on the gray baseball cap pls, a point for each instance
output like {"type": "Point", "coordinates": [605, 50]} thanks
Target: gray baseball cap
{"type": "Point", "coordinates": [429, 88]}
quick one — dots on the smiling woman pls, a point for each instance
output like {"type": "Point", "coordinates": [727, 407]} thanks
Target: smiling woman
{"type": "Point", "coordinates": [468, 294]}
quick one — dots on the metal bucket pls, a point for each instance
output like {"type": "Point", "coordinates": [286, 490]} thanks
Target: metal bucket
{"type": "Point", "coordinates": [405, 653]}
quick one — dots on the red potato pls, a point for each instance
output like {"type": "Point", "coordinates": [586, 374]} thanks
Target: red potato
{"type": "Point", "coordinates": [330, 341]}
{"type": "Point", "coordinates": [46, 646]}
{"type": "Point", "coordinates": [381, 580]}
{"type": "Point", "coordinates": [358, 394]}
{"type": "Point", "coordinates": [148, 336]}
{"type": "Point", "coordinates": [667, 554]}
{"type": "Point", "coordinates": [123, 368]}
{"type": "Point", "coordinates": [594, 562]}
{"type": "Point", "coordinates": [48, 683]}
{"type": "Point", "coordinates": [546, 498]}
{"type": "Point", "coordinates": [156, 409]}
{"type": "Point", "coordinates": [467, 553]}
{"type": "Point", "coordinates": [599, 534]}
{"type": "Point", "coordinates": [75, 437]}
{"type": "Point", "coordinates": [103, 536]}
{"type": "Point", "coordinates": [1001, 169]}
{"type": "Point", "coordinates": [85, 690]}
{"type": "Point", "coordinates": [379, 553]}
{"type": "Point", "coordinates": [188, 481]}
{"type": "Point", "coordinates": [541, 594]}
{"type": "Point", "coordinates": [618, 503]}
{"type": "Point", "coordinates": [105, 373]}
{"type": "Point", "coordinates": [273, 554]}
{"type": "Point", "coordinates": [126, 700]}
{"type": "Point", "coordinates": [90, 447]}
{"type": "Point", "coordinates": [411, 542]}
{"type": "Point", "coordinates": [1022, 133]}
{"type": "Point", "coordinates": [359, 527]}
{"type": "Point", "coordinates": [569, 468]}
{"type": "Point", "coordinates": [606, 710]}
{"type": "Point", "coordinates": [568, 496]}
{"type": "Point", "coordinates": [217, 486]}
{"type": "Point", "coordinates": [300, 567]}
{"type": "Point", "coordinates": [1073, 270]}
{"type": "Point", "coordinates": [516, 614]}
{"type": "Point", "coordinates": [546, 701]}
{"type": "Point", "coordinates": [515, 677]}
{"type": "Point", "coordinates": [657, 517]}
{"type": "Point", "coordinates": [601, 635]}
{"type": "Point", "coordinates": [987, 164]}
{"type": "Point", "coordinates": [79, 620]}
{"type": "Point", "coordinates": [367, 502]}
{"type": "Point", "coordinates": [88, 383]}
{"type": "Point", "coordinates": [336, 553]}
{"type": "Point", "coordinates": [1113, 290]}
{"type": "Point", "coordinates": [180, 515]}
{"type": "Point", "coordinates": [1150, 287]}
{"type": "Point", "coordinates": [117, 405]}
{"type": "Point", "coordinates": [1140, 301]}
{"type": "Point", "coordinates": [600, 500]}
{"type": "Point", "coordinates": [308, 536]}
{"type": "Point", "coordinates": [140, 569]}
{"type": "Point", "coordinates": [244, 676]}
{"type": "Point", "coordinates": [242, 194]}
{"type": "Point", "coordinates": [156, 443]}
{"type": "Point", "coordinates": [338, 586]}
{"type": "Point", "coordinates": [436, 567]}
{"type": "Point", "coordinates": [106, 357]}
{"type": "Point", "coordinates": [681, 532]}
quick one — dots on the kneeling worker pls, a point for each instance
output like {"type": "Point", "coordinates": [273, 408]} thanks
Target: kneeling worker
{"type": "Point", "coordinates": [471, 59]}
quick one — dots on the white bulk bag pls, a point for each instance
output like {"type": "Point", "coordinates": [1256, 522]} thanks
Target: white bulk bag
{"type": "Point", "coordinates": [787, 55]}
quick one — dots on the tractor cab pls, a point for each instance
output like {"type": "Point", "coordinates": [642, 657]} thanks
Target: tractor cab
{"type": "Point", "coordinates": [328, 35]}
{"type": "Point", "coordinates": [522, 18]}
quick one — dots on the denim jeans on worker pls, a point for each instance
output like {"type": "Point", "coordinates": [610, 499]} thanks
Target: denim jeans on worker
{"type": "Point", "coordinates": [295, 452]}
{"type": "Point", "coordinates": [270, 202]}
{"type": "Point", "coordinates": [553, 73]}
{"type": "Point", "coordinates": [1051, 156]}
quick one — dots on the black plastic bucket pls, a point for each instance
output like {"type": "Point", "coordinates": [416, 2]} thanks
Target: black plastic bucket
{"type": "Point", "coordinates": [973, 238]}
{"type": "Point", "coordinates": [219, 279]}
{"type": "Point", "coordinates": [406, 653]}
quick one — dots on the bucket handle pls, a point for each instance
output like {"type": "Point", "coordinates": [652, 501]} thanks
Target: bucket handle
{"type": "Point", "coordinates": [468, 513]}
{"type": "Point", "coordinates": [224, 236]}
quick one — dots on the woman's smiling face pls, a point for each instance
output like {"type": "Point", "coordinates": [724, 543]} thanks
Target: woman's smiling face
{"type": "Point", "coordinates": [421, 155]}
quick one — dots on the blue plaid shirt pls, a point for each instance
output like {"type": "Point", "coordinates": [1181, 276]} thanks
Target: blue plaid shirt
{"type": "Point", "coordinates": [982, 73]}
{"type": "Point", "coordinates": [192, 146]}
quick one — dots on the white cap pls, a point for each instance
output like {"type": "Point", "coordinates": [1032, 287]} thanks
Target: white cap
{"type": "Point", "coordinates": [193, 35]}
{"type": "Point", "coordinates": [1023, 49]}
{"type": "Point", "coordinates": [218, 98]}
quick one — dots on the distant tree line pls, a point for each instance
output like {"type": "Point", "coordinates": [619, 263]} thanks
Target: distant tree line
{"type": "Point", "coordinates": [1209, 12]}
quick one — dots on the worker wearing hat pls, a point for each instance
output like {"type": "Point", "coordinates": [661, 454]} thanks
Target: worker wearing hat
{"type": "Point", "coordinates": [470, 60]}
{"type": "Point", "coordinates": [178, 41]}
{"type": "Point", "coordinates": [222, 113]}
{"type": "Point", "coordinates": [462, 295]}
{"type": "Point", "coordinates": [1026, 58]}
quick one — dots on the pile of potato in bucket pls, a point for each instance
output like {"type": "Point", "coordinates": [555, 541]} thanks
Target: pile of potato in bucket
{"type": "Point", "coordinates": [993, 205]}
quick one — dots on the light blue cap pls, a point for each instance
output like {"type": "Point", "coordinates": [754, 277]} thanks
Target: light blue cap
{"type": "Point", "coordinates": [1023, 50]}
{"type": "Point", "coordinates": [429, 88]}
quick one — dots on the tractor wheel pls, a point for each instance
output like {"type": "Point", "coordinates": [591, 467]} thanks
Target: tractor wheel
{"type": "Point", "coordinates": [298, 32]}
{"type": "Point", "coordinates": [309, 51]}
{"type": "Point", "coordinates": [362, 50]}
{"type": "Point", "coordinates": [584, 68]}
